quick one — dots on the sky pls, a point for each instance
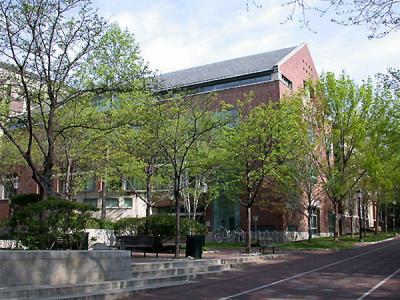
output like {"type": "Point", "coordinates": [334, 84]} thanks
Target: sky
{"type": "Point", "coordinates": [178, 34]}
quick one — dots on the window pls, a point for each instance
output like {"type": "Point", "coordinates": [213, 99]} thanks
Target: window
{"type": "Point", "coordinates": [128, 203]}
{"type": "Point", "coordinates": [90, 185]}
{"type": "Point", "coordinates": [136, 183]}
{"type": "Point", "coordinates": [112, 202]}
{"type": "Point", "coordinates": [314, 220]}
{"type": "Point", "coordinates": [91, 202]}
{"type": "Point", "coordinates": [234, 83]}
{"type": "Point", "coordinates": [287, 82]}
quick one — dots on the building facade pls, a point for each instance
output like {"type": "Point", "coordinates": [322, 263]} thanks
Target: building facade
{"type": "Point", "coordinates": [269, 77]}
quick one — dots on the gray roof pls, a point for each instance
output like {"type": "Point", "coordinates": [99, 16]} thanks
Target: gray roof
{"type": "Point", "coordinates": [224, 69]}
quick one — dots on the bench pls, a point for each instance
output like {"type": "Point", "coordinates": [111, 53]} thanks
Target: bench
{"type": "Point", "coordinates": [144, 243]}
{"type": "Point", "coordinates": [265, 243]}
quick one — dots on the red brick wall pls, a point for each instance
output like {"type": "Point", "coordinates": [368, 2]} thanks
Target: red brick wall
{"type": "Point", "coordinates": [298, 68]}
{"type": "Point", "coordinates": [4, 209]}
{"type": "Point", "coordinates": [263, 92]}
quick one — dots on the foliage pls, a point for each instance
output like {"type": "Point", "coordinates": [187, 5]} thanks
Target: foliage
{"type": "Point", "coordinates": [341, 118]}
{"type": "Point", "coordinates": [192, 227]}
{"type": "Point", "coordinates": [164, 226]}
{"type": "Point", "coordinates": [129, 226]}
{"type": "Point", "coordinates": [254, 151]}
{"type": "Point", "coordinates": [184, 120]}
{"type": "Point", "coordinates": [24, 199]}
{"type": "Point", "coordinates": [71, 66]}
{"type": "Point", "coordinates": [94, 223]}
{"type": "Point", "coordinates": [43, 224]}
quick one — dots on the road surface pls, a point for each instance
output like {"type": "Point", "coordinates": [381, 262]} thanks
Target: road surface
{"type": "Point", "coordinates": [370, 272]}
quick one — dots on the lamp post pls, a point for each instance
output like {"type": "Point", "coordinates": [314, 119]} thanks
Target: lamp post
{"type": "Point", "coordinates": [394, 218]}
{"type": "Point", "coordinates": [358, 195]}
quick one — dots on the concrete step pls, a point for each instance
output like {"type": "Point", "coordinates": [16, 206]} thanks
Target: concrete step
{"type": "Point", "coordinates": [144, 276]}
{"type": "Point", "coordinates": [180, 271]}
{"type": "Point", "coordinates": [190, 263]}
{"type": "Point", "coordinates": [105, 291]}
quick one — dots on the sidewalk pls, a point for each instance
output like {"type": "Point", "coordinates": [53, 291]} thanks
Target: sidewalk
{"type": "Point", "coordinates": [220, 253]}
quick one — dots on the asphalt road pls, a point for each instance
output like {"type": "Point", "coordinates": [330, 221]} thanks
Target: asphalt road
{"type": "Point", "coordinates": [370, 272]}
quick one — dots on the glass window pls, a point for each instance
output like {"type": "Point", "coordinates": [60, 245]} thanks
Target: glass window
{"type": "Point", "coordinates": [235, 83]}
{"type": "Point", "coordinates": [128, 203]}
{"type": "Point", "coordinates": [90, 201]}
{"type": "Point", "coordinates": [112, 202]}
{"type": "Point", "coordinates": [90, 185]}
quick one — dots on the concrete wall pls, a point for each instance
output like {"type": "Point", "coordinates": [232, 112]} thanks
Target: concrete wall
{"type": "Point", "coordinates": [19, 268]}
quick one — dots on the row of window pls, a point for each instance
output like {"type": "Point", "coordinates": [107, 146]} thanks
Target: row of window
{"type": "Point", "coordinates": [110, 202]}
{"type": "Point", "coordinates": [232, 84]}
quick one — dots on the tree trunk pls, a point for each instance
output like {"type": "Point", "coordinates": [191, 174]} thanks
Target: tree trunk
{"type": "Point", "coordinates": [103, 200]}
{"type": "Point", "coordinates": [386, 220]}
{"type": "Point", "coordinates": [248, 237]}
{"type": "Point", "coordinates": [376, 218]}
{"type": "Point", "coordinates": [309, 226]}
{"type": "Point", "coordinates": [365, 219]}
{"type": "Point", "coordinates": [177, 197]}
{"type": "Point", "coordinates": [177, 222]}
{"type": "Point", "coordinates": [359, 220]}
{"type": "Point", "coordinates": [149, 195]}
{"type": "Point", "coordinates": [336, 233]}
{"type": "Point", "coordinates": [352, 225]}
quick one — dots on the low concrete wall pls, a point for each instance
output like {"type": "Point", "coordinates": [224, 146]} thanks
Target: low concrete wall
{"type": "Point", "coordinates": [19, 268]}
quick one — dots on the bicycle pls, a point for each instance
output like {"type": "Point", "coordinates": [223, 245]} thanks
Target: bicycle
{"type": "Point", "coordinates": [224, 235]}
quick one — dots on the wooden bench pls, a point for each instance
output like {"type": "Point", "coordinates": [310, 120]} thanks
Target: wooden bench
{"type": "Point", "coordinates": [265, 243]}
{"type": "Point", "coordinates": [143, 243]}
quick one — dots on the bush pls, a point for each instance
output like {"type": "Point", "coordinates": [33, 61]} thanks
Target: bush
{"type": "Point", "coordinates": [24, 199]}
{"type": "Point", "coordinates": [94, 223]}
{"type": "Point", "coordinates": [50, 224]}
{"type": "Point", "coordinates": [129, 226]}
{"type": "Point", "coordinates": [162, 225]}
{"type": "Point", "coordinates": [191, 227]}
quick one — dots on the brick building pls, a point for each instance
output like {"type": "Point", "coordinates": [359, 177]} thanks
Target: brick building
{"type": "Point", "coordinates": [269, 76]}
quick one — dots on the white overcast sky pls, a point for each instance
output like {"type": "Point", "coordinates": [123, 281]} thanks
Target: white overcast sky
{"type": "Point", "coordinates": [177, 34]}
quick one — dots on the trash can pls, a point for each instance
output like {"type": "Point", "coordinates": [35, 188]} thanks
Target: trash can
{"type": "Point", "coordinates": [194, 245]}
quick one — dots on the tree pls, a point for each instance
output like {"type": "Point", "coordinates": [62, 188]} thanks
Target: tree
{"type": "Point", "coordinates": [341, 121]}
{"type": "Point", "coordinates": [49, 46]}
{"type": "Point", "coordinates": [265, 138]}
{"type": "Point", "coordinates": [183, 121]}
{"type": "Point", "coordinates": [381, 17]}
{"type": "Point", "coordinates": [302, 187]}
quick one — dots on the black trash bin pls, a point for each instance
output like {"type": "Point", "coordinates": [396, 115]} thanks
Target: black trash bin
{"type": "Point", "coordinates": [194, 245]}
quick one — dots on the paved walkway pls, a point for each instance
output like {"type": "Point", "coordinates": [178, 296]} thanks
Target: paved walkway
{"type": "Point", "coordinates": [370, 272]}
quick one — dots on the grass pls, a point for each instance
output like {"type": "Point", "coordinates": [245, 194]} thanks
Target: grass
{"type": "Point", "coordinates": [325, 243]}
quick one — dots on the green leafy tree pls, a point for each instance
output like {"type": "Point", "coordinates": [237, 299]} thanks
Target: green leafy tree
{"type": "Point", "coordinates": [183, 121]}
{"type": "Point", "coordinates": [54, 51]}
{"type": "Point", "coordinates": [265, 138]}
{"type": "Point", "coordinates": [341, 121]}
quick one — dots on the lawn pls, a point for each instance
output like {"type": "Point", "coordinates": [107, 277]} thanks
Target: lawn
{"type": "Point", "coordinates": [325, 243]}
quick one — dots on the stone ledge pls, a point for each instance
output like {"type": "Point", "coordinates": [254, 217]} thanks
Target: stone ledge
{"type": "Point", "coordinates": [34, 268]}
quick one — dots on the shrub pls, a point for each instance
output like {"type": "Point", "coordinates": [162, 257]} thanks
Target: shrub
{"type": "Point", "coordinates": [129, 226]}
{"type": "Point", "coordinates": [24, 199]}
{"type": "Point", "coordinates": [50, 224]}
{"type": "Point", "coordinates": [162, 225]}
{"type": "Point", "coordinates": [94, 223]}
{"type": "Point", "coordinates": [191, 227]}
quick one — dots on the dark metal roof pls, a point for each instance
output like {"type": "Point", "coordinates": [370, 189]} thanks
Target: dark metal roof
{"type": "Point", "coordinates": [224, 69]}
